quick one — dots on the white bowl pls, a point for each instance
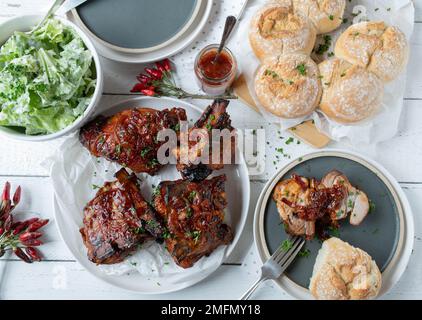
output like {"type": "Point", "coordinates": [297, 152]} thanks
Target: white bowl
{"type": "Point", "coordinates": [25, 23]}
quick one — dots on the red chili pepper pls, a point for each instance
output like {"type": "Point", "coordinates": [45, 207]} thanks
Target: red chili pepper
{"type": "Point", "coordinates": [143, 78]}
{"type": "Point", "coordinates": [138, 87]}
{"type": "Point", "coordinates": [22, 255]}
{"type": "Point", "coordinates": [154, 73]}
{"type": "Point", "coordinates": [23, 225]}
{"type": "Point", "coordinates": [148, 92]}
{"type": "Point", "coordinates": [166, 64]}
{"type": "Point", "coordinates": [8, 222]}
{"type": "Point", "coordinates": [37, 225]}
{"type": "Point", "coordinates": [29, 236]}
{"type": "Point", "coordinates": [1, 231]}
{"type": "Point", "coordinates": [17, 196]}
{"type": "Point", "coordinates": [33, 253]}
{"type": "Point", "coordinates": [160, 67]}
{"type": "Point", "coordinates": [6, 192]}
{"type": "Point", "coordinates": [32, 243]}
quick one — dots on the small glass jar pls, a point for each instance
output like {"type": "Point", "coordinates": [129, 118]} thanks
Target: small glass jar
{"type": "Point", "coordinates": [215, 76]}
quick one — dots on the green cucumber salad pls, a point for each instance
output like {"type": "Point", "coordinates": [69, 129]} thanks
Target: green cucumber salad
{"type": "Point", "coordinates": [47, 79]}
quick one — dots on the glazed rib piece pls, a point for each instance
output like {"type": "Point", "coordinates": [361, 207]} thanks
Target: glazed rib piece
{"type": "Point", "coordinates": [214, 117]}
{"type": "Point", "coordinates": [130, 137]}
{"type": "Point", "coordinates": [308, 206]}
{"type": "Point", "coordinates": [117, 220]}
{"type": "Point", "coordinates": [194, 215]}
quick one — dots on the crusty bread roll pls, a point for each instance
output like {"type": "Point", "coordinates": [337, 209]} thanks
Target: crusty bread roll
{"type": "Point", "coordinates": [276, 29]}
{"type": "Point", "coordinates": [381, 49]}
{"type": "Point", "coordinates": [327, 15]}
{"type": "Point", "coordinates": [288, 86]}
{"type": "Point", "coordinates": [342, 272]}
{"type": "Point", "coordinates": [350, 93]}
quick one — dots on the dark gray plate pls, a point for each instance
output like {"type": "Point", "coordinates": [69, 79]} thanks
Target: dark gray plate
{"type": "Point", "coordinates": [378, 234]}
{"type": "Point", "coordinates": [136, 24]}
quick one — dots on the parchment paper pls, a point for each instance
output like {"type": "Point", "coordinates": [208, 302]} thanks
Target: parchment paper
{"type": "Point", "coordinates": [382, 126]}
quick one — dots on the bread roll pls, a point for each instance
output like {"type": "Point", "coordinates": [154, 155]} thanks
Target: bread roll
{"type": "Point", "coordinates": [350, 93]}
{"type": "Point", "coordinates": [327, 15]}
{"type": "Point", "coordinates": [381, 49]}
{"type": "Point", "coordinates": [275, 30]}
{"type": "Point", "coordinates": [342, 272]}
{"type": "Point", "coordinates": [289, 86]}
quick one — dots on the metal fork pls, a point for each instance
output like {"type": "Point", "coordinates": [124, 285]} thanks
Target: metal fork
{"type": "Point", "coordinates": [277, 264]}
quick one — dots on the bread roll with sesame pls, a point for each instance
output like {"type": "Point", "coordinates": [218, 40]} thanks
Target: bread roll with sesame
{"type": "Point", "coordinates": [288, 86]}
{"type": "Point", "coordinates": [276, 30]}
{"type": "Point", "coordinates": [327, 15]}
{"type": "Point", "coordinates": [343, 272]}
{"type": "Point", "coordinates": [350, 92]}
{"type": "Point", "coordinates": [383, 50]}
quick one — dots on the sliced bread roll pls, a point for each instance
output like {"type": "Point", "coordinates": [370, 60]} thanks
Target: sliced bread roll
{"type": "Point", "coordinates": [381, 49]}
{"type": "Point", "coordinates": [327, 15]}
{"type": "Point", "coordinates": [343, 272]}
{"type": "Point", "coordinates": [288, 86]}
{"type": "Point", "coordinates": [350, 92]}
{"type": "Point", "coordinates": [276, 30]}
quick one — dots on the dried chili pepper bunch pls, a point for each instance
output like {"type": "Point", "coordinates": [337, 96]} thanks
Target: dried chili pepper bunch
{"type": "Point", "coordinates": [159, 82]}
{"type": "Point", "coordinates": [21, 237]}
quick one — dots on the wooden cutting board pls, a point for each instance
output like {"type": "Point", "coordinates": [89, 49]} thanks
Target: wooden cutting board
{"type": "Point", "coordinates": [306, 131]}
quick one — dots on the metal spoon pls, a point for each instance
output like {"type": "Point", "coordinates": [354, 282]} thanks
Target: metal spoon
{"type": "Point", "coordinates": [228, 28]}
{"type": "Point", "coordinates": [56, 5]}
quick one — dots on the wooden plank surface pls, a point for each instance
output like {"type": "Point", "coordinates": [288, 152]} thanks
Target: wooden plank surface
{"type": "Point", "coordinates": [60, 277]}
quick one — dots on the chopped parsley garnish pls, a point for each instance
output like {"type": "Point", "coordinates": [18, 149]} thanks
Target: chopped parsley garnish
{"type": "Point", "coordinates": [372, 206]}
{"type": "Point", "coordinates": [195, 235]}
{"type": "Point", "coordinates": [153, 163]}
{"type": "Point", "coordinates": [331, 17]}
{"type": "Point", "coordinates": [156, 191]}
{"type": "Point", "coordinates": [139, 230]}
{"type": "Point", "coordinates": [304, 253]}
{"type": "Point", "coordinates": [271, 73]}
{"type": "Point", "coordinates": [334, 232]}
{"type": "Point", "coordinates": [302, 69]}
{"type": "Point", "coordinates": [94, 186]}
{"type": "Point", "coordinates": [286, 245]}
{"type": "Point", "coordinates": [192, 196]}
{"type": "Point", "coordinates": [145, 151]}
{"type": "Point", "coordinates": [177, 127]}
{"type": "Point", "coordinates": [289, 141]}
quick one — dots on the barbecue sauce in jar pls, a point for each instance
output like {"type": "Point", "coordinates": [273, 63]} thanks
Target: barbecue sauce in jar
{"type": "Point", "coordinates": [215, 76]}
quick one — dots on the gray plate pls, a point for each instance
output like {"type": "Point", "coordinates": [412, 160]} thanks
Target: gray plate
{"type": "Point", "coordinates": [378, 234]}
{"type": "Point", "coordinates": [136, 24]}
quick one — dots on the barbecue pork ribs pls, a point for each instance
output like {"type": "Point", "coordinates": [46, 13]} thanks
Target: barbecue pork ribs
{"type": "Point", "coordinates": [193, 214]}
{"type": "Point", "coordinates": [190, 156]}
{"type": "Point", "coordinates": [117, 220]}
{"type": "Point", "coordinates": [130, 137]}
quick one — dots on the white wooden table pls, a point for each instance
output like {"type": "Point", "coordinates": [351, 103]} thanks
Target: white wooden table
{"type": "Point", "coordinates": [59, 276]}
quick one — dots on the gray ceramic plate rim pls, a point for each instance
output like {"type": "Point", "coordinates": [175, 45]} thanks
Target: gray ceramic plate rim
{"type": "Point", "coordinates": [398, 263]}
{"type": "Point", "coordinates": [141, 50]}
{"type": "Point", "coordinates": [186, 39]}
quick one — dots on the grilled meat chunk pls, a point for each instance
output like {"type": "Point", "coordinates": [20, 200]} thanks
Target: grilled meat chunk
{"type": "Point", "coordinates": [194, 215]}
{"type": "Point", "coordinates": [356, 203]}
{"type": "Point", "coordinates": [130, 137]}
{"type": "Point", "coordinates": [198, 159]}
{"type": "Point", "coordinates": [309, 206]}
{"type": "Point", "coordinates": [117, 220]}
